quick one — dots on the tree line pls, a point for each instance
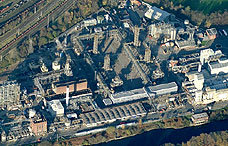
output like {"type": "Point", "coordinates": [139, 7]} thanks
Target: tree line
{"type": "Point", "coordinates": [198, 17]}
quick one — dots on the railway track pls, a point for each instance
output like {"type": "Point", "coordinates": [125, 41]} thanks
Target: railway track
{"type": "Point", "coordinates": [65, 5]}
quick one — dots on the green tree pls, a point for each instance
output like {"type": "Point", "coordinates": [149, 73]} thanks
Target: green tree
{"type": "Point", "coordinates": [104, 2]}
{"type": "Point", "coordinates": [42, 41]}
{"type": "Point", "coordinates": [111, 130]}
{"type": "Point", "coordinates": [208, 24]}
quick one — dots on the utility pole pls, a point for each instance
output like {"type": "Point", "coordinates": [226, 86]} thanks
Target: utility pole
{"type": "Point", "coordinates": [18, 31]}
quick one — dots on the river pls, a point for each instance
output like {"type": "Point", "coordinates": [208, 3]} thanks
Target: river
{"type": "Point", "coordinates": [161, 136]}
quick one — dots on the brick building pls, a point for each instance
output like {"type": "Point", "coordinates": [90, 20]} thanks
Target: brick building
{"type": "Point", "coordinates": [60, 87]}
{"type": "Point", "coordinates": [38, 124]}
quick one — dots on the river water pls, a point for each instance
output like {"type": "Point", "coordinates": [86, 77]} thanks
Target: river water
{"type": "Point", "coordinates": [161, 136]}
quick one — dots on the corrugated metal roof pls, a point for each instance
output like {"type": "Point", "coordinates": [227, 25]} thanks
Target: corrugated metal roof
{"type": "Point", "coordinates": [162, 86]}
{"type": "Point", "coordinates": [201, 115]}
{"type": "Point", "coordinates": [140, 91]}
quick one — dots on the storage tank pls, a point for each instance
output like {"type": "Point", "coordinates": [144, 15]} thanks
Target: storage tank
{"type": "Point", "coordinates": [55, 65]}
{"type": "Point", "coordinates": [186, 22]}
{"type": "Point", "coordinates": [32, 113]}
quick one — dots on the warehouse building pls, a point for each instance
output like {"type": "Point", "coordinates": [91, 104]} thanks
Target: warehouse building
{"type": "Point", "coordinates": [199, 119]}
{"type": "Point", "coordinates": [126, 96]}
{"type": "Point", "coordinates": [162, 89]}
{"type": "Point", "coordinates": [109, 115]}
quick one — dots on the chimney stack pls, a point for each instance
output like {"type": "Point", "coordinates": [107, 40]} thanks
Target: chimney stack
{"type": "Point", "coordinates": [67, 96]}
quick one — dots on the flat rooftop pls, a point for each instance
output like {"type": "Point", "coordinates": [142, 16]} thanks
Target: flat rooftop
{"type": "Point", "coordinates": [134, 92]}
{"type": "Point", "coordinates": [162, 87]}
{"type": "Point", "coordinates": [56, 105]}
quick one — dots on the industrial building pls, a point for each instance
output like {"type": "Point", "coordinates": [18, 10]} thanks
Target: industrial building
{"type": "Point", "coordinates": [199, 119]}
{"type": "Point", "coordinates": [126, 96]}
{"type": "Point", "coordinates": [157, 14]}
{"type": "Point", "coordinates": [218, 66]}
{"type": "Point", "coordinates": [211, 94]}
{"type": "Point", "coordinates": [198, 81]}
{"type": "Point", "coordinates": [162, 89]}
{"type": "Point", "coordinates": [9, 93]}
{"type": "Point", "coordinates": [208, 55]}
{"type": "Point", "coordinates": [109, 115]}
{"type": "Point", "coordinates": [74, 86]}
{"type": "Point", "coordinates": [55, 107]}
{"type": "Point", "coordinates": [38, 124]}
{"type": "Point", "coordinates": [165, 30]}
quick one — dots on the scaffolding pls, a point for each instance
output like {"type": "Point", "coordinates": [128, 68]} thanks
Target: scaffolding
{"type": "Point", "coordinates": [136, 36]}
{"type": "Point", "coordinates": [9, 93]}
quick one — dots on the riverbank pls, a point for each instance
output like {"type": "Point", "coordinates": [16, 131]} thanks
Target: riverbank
{"type": "Point", "coordinates": [159, 137]}
{"type": "Point", "coordinates": [165, 128]}
{"type": "Point", "coordinates": [123, 132]}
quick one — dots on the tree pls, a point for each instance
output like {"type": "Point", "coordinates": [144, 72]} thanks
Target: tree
{"type": "Point", "coordinates": [207, 23]}
{"type": "Point", "coordinates": [110, 130]}
{"type": "Point", "coordinates": [104, 2]}
{"type": "Point", "coordinates": [85, 142]}
{"type": "Point", "coordinates": [42, 41]}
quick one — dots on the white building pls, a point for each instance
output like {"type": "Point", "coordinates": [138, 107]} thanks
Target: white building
{"type": "Point", "coordinates": [211, 94]}
{"type": "Point", "coordinates": [160, 29]}
{"type": "Point", "coordinates": [162, 89]}
{"type": "Point", "coordinates": [219, 66]}
{"type": "Point", "coordinates": [208, 54]}
{"type": "Point", "coordinates": [198, 81]}
{"type": "Point", "coordinates": [198, 96]}
{"type": "Point", "coordinates": [90, 22]}
{"type": "Point", "coordinates": [126, 96]}
{"type": "Point", "coordinates": [157, 14]}
{"type": "Point", "coordinates": [56, 108]}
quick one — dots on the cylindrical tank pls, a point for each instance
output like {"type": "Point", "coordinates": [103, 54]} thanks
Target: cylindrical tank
{"type": "Point", "coordinates": [186, 22]}
{"type": "Point", "coordinates": [32, 113]}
